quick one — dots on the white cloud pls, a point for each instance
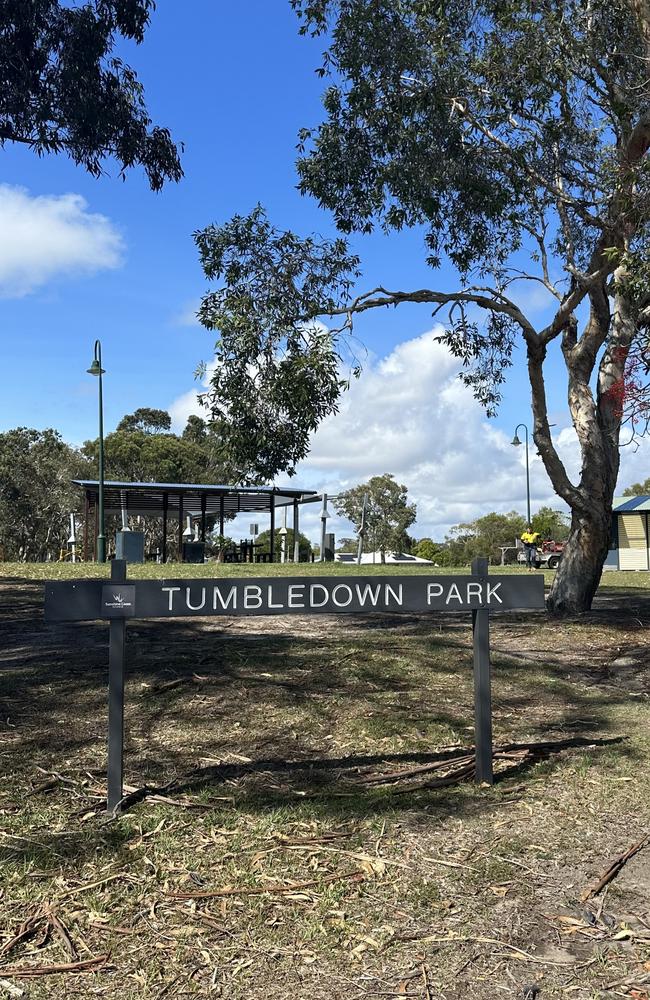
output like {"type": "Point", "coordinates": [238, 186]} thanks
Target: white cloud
{"type": "Point", "coordinates": [409, 415]}
{"type": "Point", "coordinates": [183, 406]}
{"type": "Point", "coordinates": [187, 316]}
{"type": "Point", "coordinates": [47, 236]}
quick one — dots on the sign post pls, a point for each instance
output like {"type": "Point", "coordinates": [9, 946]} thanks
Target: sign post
{"type": "Point", "coordinates": [482, 684]}
{"type": "Point", "coordinates": [116, 654]}
{"type": "Point", "coordinates": [90, 600]}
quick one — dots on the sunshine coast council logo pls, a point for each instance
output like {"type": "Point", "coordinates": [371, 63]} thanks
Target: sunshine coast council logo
{"type": "Point", "coordinates": [118, 602]}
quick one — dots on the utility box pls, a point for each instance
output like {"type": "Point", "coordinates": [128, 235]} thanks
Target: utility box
{"type": "Point", "coordinates": [330, 542]}
{"type": "Point", "coordinates": [193, 552]}
{"type": "Point", "coordinates": [129, 545]}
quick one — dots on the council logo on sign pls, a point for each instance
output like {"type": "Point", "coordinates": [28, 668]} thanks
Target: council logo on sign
{"type": "Point", "coordinates": [118, 602]}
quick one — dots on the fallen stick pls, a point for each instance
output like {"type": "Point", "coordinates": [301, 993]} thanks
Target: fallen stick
{"type": "Point", "coordinates": [94, 885]}
{"type": "Point", "coordinates": [26, 971]}
{"type": "Point", "coordinates": [614, 869]}
{"type": "Point", "coordinates": [461, 762]}
{"type": "Point", "coordinates": [356, 876]}
{"type": "Point", "coordinates": [449, 779]}
{"type": "Point", "coordinates": [410, 772]}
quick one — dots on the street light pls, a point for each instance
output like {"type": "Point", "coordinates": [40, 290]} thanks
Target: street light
{"type": "Point", "coordinates": [96, 369]}
{"type": "Point", "coordinates": [516, 442]}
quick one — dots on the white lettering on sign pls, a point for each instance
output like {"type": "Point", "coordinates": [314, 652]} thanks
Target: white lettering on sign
{"type": "Point", "coordinates": [474, 590]}
{"type": "Point", "coordinates": [270, 599]}
{"type": "Point", "coordinates": [367, 594]}
{"type": "Point", "coordinates": [342, 604]}
{"type": "Point", "coordinates": [492, 592]}
{"type": "Point", "coordinates": [396, 595]}
{"type": "Point", "coordinates": [218, 596]}
{"type": "Point", "coordinates": [433, 590]}
{"type": "Point", "coordinates": [312, 592]}
{"type": "Point", "coordinates": [193, 607]}
{"type": "Point", "coordinates": [453, 594]}
{"type": "Point", "coordinates": [171, 591]}
{"type": "Point", "coordinates": [252, 594]}
{"type": "Point", "coordinates": [296, 600]}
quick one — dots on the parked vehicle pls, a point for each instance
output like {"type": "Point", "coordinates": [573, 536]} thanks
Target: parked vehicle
{"type": "Point", "coordinates": [549, 554]}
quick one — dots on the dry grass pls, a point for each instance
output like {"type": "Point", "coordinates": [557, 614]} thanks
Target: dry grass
{"type": "Point", "coordinates": [279, 868]}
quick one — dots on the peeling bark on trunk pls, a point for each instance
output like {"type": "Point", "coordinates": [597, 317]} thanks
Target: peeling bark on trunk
{"type": "Point", "coordinates": [578, 575]}
{"type": "Point", "coordinates": [597, 422]}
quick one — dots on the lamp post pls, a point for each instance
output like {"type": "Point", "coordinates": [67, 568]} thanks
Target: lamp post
{"type": "Point", "coordinates": [96, 369]}
{"type": "Point", "coordinates": [517, 442]}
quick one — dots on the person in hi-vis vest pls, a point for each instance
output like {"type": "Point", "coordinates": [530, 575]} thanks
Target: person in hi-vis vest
{"type": "Point", "coordinates": [530, 539]}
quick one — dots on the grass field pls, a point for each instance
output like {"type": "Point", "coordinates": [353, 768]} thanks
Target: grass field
{"type": "Point", "coordinates": [612, 579]}
{"type": "Point", "coordinates": [303, 821]}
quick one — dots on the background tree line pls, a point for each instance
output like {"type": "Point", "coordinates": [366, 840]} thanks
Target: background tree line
{"type": "Point", "coordinates": [37, 469]}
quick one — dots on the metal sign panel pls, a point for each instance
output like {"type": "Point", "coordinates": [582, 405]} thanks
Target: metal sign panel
{"type": "Point", "coordinates": [358, 595]}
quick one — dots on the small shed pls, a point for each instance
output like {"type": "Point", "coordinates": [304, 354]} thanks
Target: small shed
{"type": "Point", "coordinates": [630, 541]}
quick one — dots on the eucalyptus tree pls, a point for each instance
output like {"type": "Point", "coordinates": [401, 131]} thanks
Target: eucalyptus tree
{"type": "Point", "coordinates": [381, 505]}
{"type": "Point", "coordinates": [511, 137]}
{"type": "Point", "coordinates": [64, 87]}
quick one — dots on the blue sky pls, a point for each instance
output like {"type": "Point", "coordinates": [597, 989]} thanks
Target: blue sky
{"type": "Point", "coordinates": [234, 83]}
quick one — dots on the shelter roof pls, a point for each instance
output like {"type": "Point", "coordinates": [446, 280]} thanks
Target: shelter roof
{"type": "Point", "coordinates": [153, 498]}
{"type": "Point", "coordinates": [629, 505]}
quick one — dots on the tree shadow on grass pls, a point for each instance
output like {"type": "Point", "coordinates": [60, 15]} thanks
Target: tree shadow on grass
{"type": "Point", "coordinates": [196, 692]}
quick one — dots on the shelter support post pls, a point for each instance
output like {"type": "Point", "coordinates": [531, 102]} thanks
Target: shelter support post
{"type": "Point", "coordinates": [482, 684]}
{"type": "Point", "coordinates": [221, 517]}
{"type": "Point", "coordinates": [296, 532]}
{"type": "Point", "coordinates": [96, 533]}
{"type": "Point", "coordinates": [203, 503]}
{"type": "Point", "coordinates": [180, 527]}
{"type": "Point", "coordinates": [272, 509]}
{"type": "Point", "coordinates": [116, 651]}
{"type": "Point", "coordinates": [86, 516]}
{"type": "Point", "coordinates": [164, 538]}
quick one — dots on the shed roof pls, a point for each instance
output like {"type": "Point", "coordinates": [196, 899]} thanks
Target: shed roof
{"type": "Point", "coordinates": [154, 498]}
{"type": "Point", "coordinates": [629, 505]}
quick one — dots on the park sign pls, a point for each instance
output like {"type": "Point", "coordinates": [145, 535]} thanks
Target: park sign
{"type": "Point", "coordinates": [90, 600]}
{"type": "Point", "coordinates": [119, 601]}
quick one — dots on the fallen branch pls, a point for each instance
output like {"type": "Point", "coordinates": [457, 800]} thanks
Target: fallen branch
{"type": "Point", "coordinates": [353, 876]}
{"type": "Point", "coordinates": [614, 869]}
{"type": "Point", "coordinates": [27, 971]}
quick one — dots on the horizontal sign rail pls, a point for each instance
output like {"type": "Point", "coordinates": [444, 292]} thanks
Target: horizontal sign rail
{"type": "Point", "coordinates": [88, 600]}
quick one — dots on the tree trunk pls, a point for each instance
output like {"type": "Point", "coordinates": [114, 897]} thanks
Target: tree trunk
{"type": "Point", "coordinates": [581, 566]}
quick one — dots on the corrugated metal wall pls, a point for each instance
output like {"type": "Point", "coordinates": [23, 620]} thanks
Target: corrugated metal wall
{"type": "Point", "coordinates": [633, 541]}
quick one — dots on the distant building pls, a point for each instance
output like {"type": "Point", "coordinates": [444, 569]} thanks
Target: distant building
{"type": "Point", "coordinates": [629, 546]}
{"type": "Point", "coordinates": [391, 558]}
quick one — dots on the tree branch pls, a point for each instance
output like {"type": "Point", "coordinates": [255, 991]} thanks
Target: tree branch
{"type": "Point", "coordinates": [492, 301]}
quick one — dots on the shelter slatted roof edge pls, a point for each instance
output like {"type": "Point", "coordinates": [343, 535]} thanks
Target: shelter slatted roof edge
{"type": "Point", "coordinates": [149, 498]}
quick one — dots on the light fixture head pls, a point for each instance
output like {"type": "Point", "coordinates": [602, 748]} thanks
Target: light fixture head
{"type": "Point", "coordinates": [96, 368]}
{"type": "Point", "coordinates": [516, 441]}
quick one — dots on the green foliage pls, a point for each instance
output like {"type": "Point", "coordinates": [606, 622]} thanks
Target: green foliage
{"type": "Point", "coordinates": [425, 548]}
{"type": "Point", "coordinates": [264, 539]}
{"type": "Point", "coordinates": [348, 545]}
{"type": "Point", "coordinates": [638, 489]}
{"type": "Point", "coordinates": [388, 514]}
{"type": "Point", "coordinates": [277, 374]}
{"type": "Point", "coordinates": [147, 420]}
{"type": "Point", "coordinates": [36, 493]}
{"type": "Point", "coordinates": [551, 524]}
{"type": "Point", "coordinates": [498, 130]}
{"type": "Point", "coordinates": [142, 449]}
{"type": "Point", "coordinates": [65, 89]}
{"type": "Point", "coordinates": [483, 537]}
